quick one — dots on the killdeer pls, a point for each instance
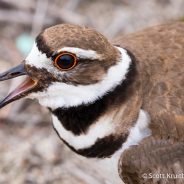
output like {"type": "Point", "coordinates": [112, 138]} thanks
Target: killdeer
{"type": "Point", "coordinates": [119, 104]}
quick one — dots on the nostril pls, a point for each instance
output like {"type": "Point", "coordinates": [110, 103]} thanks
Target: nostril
{"type": "Point", "coordinates": [14, 74]}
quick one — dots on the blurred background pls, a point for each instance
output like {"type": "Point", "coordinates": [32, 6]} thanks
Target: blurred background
{"type": "Point", "coordinates": [30, 151]}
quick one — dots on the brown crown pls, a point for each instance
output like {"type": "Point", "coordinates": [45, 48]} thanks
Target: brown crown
{"type": "Point", "coordinates": [66, 35]}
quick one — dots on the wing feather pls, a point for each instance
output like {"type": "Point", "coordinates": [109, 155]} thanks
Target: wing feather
{"type": "Point", "coordinates": [154, 161]}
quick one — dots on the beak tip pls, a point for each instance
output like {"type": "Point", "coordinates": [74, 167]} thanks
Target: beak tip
{"type": "Point", "coordinates": [12, 73]}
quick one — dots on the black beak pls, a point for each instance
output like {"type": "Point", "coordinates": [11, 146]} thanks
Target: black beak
{"type": "Point", "coordinates": [23, 89]}
{"type": "Point", "coordinates": [13, 72]}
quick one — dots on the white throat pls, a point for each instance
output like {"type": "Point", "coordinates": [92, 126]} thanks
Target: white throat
{"type": "Point", "coordinates": [66, 95]}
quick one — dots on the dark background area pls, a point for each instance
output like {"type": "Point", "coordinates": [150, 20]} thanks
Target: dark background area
{"type": "Point", "coordinates": [30, 151]}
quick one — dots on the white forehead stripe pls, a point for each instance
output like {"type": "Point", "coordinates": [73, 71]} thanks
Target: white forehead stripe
{"type": "Point", "coordinates": [37, 58]}
{"type": "Point", "coordinates": [81, 53]}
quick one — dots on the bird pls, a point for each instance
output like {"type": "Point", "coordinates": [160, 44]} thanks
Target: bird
{"type": "Point", "coordinates": [118, 103]}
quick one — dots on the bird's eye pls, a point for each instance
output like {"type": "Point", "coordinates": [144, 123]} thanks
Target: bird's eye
{"type": "Point", "coordinates": [65, 61]}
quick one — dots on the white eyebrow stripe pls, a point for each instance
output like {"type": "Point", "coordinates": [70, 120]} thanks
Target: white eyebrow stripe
{"type": "Point", "coordinates": [81, 53]}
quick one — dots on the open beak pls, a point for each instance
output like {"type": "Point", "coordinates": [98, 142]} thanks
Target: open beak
{"type": "Point", "coordinates": [23, 89]}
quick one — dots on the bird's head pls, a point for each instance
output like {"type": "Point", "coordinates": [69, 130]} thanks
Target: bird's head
{"type": "Point", "coordinates": [68, 65]}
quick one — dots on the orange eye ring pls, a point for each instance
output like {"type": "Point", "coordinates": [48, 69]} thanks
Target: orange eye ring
{"type": "Point", "coordinates": [68, 60]}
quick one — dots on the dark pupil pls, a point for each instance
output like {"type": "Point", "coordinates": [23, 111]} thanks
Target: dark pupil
{"type": "Point", "coordinates": [65, 61]}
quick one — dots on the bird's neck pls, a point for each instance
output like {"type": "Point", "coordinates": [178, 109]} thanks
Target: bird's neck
{"type": "Point", "coordinates": [100, 128]}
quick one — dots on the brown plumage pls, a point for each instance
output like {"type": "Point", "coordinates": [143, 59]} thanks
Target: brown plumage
{"type": "Point", "coordinates": [154, 83]}
{"type": "Point", "coordinates": [160, 54]}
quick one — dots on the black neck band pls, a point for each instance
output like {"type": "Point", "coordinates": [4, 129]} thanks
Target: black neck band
{"type": "Point", "coordinates": [78, 119]}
